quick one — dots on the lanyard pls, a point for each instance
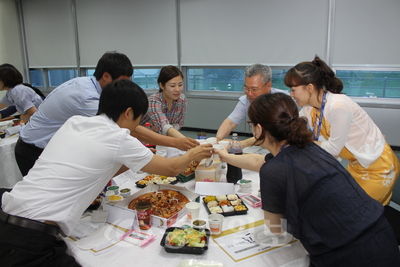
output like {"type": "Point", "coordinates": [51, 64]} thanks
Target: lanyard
{"type": "Point", "coordinates": [321, 113]}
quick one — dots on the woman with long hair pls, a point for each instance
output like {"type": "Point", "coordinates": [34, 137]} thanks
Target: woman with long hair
{"type": "Point", "coordinates": [306, 192]}
{"type": "Point", "coordinates": [343, 128]}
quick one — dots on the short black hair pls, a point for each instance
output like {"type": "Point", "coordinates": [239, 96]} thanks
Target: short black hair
{"type": "Point", "coordinates": [114, 63]}
{"type": "Point", "coordinates": [119, 95]}
{"type": "Point", "coordinates": [9, 75]}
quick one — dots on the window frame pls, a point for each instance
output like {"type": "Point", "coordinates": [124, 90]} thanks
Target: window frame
{"type": "Point", "coordinates": [385, 102]}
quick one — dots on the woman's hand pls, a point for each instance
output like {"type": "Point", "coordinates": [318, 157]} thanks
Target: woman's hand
{"type": "Point", "coordinates": [222, 153]}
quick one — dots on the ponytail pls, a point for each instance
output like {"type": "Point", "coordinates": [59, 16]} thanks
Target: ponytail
{"type": "Point", "coordinates": [298, 133]}
{"type": "Point", "coordinates": [316, 72]}
{"type": "Point", "coordinates": [329, 80]}
{"type": "Point", "coordinates": [279, 118]}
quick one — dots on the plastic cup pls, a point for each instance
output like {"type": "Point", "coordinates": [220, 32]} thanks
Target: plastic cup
{"type": "Point", "coordinates": [215, 221]}
{"type": "Point", "coordinates": [193, 210]}
{"type": "Point", "coordinates": [225, 143]}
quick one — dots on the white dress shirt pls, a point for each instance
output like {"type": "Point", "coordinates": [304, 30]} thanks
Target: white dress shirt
{"type": "Point", "coordinates": [73, 169]}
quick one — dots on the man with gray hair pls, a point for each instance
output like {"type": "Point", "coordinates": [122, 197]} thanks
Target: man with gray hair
{"type": "Point", "coordinates": [257, 81]}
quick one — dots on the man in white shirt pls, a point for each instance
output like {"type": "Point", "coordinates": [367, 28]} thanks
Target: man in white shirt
{"type": "Point", "coordinates": [257, 81]}
{"type": "Point", "coordinates": [83, 155]}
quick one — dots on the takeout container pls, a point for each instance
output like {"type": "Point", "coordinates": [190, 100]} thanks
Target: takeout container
{"type": "Point", "coordinates": [184, 249]}
{"type": "Point", "coordinates": [232, 203]}
{"type": "Point", "coordinates": [185, 178]}
{"type": "Point", "coordinates": [156, 221]}
{"type": "Point", "coordinates": [199, 223]}
{"type": "Point", "coordinates": [189, 176]}
{"type": "Point", "coordinates": [208, 174]}
{"type": "Point", "coordinates": [125, 192]}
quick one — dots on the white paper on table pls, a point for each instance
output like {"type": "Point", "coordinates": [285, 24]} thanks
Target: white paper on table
{"type": "Point", "coordinates": [123, 177]}
{"type": "Point", "coordinates": [107, 246]}
{"type": "Point", "coordinates": [293, 256]}
{"type": "Point", "coordinates": [120, 216]}
{"type": "Point", "coordinates": [240, 245]}
{"type": "Point", "coordinates": [87, 238]}
{"type": "Point", "coordinates": [214, 188]}
{"type": "Point", "coordinates": [12, 130]}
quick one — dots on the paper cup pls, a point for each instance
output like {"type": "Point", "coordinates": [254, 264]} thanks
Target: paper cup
{"type": "Point", "coordinates": [193, 210]}
{"type": "Point", "coordinates": [215, 221]}
{"type": "Point", "coordinates": [202, 141]}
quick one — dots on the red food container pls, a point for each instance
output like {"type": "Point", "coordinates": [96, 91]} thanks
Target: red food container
{"type": "Point", "coordinates": [143, 211]}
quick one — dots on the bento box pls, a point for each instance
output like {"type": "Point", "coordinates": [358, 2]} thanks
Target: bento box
{"type": "Point", "coordinates": [185, 247]}
{"type": "Point", "coordinates": [227, 205]}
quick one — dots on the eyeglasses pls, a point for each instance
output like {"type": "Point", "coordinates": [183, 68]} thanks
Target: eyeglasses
{"type": "Point", "coordinates": [254, 91]}
{"type": "Point", "coordinates": [250, 124]}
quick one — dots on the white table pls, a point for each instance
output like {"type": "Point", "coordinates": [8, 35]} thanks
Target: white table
{"type": "Point", "coordinates": [9, 171]}
{"type": "Point", "coordinates": [154, 255]}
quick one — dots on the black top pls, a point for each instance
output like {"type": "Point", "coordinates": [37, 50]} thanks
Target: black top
{"type": "Point", "coordinates": [324, 206]}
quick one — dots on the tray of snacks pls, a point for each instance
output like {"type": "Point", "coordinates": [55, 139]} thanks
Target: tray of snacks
{"type": "Point", "coordinates": [226, 205]}
{"type": "Point", "coordinates": [185, 240]}
{"type": "Point", "coordinates": [155, 179]}
{"type": "Point", "coordinates": [188, 173]}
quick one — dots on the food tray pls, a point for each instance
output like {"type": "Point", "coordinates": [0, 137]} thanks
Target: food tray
{"type": "Point", "coordinates": [189, 173]}
{"type": "Point", "coordinates": [230, 213]}
{"type": "Point", "coordinates": [185, 178]}
{"type": "Point", "coordinates": [138, 184]}
{"type": "Point", "coordinates": [184, 249]}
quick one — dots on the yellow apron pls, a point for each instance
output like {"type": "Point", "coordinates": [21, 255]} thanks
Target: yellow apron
{"type": "Point", "coordinates": [379, 179]}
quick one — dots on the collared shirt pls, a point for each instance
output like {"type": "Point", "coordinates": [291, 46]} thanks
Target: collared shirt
{"type": "Point", "coordinates": [22, 97]}
{"type": "Point", "coordinates": [74, 167]}
{"type": "Point", "coordinates": [239, 114]}
{"type": "Point", "coordinates": [79, 96]}
{"type": "Point", "coordinates": [162, 119]}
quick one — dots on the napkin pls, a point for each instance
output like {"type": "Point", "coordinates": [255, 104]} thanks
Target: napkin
{"type": "Point", "coordinates": [13, 130]}
{"type": "Point", "coordinates": [290, 255]}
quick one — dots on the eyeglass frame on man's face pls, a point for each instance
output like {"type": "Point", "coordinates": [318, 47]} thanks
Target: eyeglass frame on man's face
{"type": "Point", "coordinates": [254, 91]}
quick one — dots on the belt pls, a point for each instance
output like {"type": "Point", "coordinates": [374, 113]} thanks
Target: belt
{"type": "Point", "coordinates": [22, 143]}
{"type": "Point", "coordinates": [29, 224]}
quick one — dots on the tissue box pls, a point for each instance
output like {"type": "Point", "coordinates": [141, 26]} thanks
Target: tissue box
{"type": "Point", "coordinates": [210, 174]}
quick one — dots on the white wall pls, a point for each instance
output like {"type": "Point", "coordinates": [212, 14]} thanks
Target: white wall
{"type": "Point", "coordinates": [243, 32]}
{"type": "Point", "coordinates": [10, 37]}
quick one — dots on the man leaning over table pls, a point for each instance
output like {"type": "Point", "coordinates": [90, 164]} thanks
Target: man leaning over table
{"type": "Point", "coordinates": [83, 155]}
{"type": "Point", "coordinates": [257, 81]}
{"type": "Point", "coordinates": [80, 96]}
